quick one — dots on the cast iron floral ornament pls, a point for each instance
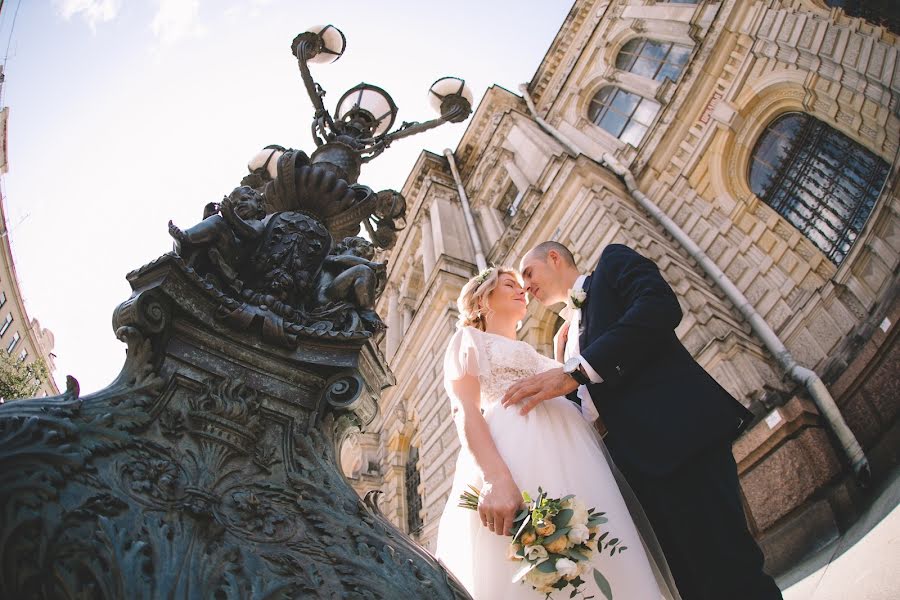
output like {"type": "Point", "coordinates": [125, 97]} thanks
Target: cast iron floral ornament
{"type": "Point", "coordinates": [207, 468]}
{"type": "Point", "coordinates": [280, 248]}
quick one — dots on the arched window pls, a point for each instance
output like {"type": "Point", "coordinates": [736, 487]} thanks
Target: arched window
{"type": "Point", "coordinates": [821, 181]}
{"type": "Point", "coordinates": [413, 500]}
{"type": "Point", "coordinates": [653, 59]}
{"type": "Point", "coordinates": [624, 114]}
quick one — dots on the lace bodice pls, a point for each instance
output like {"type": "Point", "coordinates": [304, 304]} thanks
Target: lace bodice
{"type": "Point", "coordinates": [497, 361]}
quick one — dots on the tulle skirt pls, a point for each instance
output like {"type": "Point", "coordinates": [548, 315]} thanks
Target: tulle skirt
{"type": "Point", "coordinates": [555, 448]}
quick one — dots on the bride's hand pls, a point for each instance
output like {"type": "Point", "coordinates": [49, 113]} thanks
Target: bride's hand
{"type": "Point", "coordinates": [500, 501]}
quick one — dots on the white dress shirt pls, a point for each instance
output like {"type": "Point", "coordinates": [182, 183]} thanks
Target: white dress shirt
{"type": "Point", "coordinates": [573, 348]}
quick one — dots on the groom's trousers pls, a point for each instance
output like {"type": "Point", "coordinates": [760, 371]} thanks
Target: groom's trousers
{"type": "Point", "coordinates": [697, 515]}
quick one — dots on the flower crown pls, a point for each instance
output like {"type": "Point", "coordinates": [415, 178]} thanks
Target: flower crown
{"type": "Point", "coordinates": [482, 277]}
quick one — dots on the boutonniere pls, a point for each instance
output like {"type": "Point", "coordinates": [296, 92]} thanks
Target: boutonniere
{"type": "Point", "coordinates": [577, 298]}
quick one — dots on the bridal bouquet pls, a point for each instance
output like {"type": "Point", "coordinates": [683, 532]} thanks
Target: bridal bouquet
{"type": "Point", "coordinates": [555, 540]}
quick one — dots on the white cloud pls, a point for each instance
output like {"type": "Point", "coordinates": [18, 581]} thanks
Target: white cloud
{"type": "Point", "coordinates": [175, 20]}
{"type": "Point", "coordinates": [245, 9]}
{"type": "Point", "coordinates": [92, 11]}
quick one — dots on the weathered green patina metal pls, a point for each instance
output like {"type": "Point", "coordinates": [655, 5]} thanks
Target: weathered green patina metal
{"type": "Point", "coordinates": [207, 468]}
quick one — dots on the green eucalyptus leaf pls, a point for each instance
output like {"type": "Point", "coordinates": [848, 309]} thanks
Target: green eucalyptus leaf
{"type": "Point", "coordinates": [576, 555]}
{"type": "Point", "coordinates": [548, 566]}
{"type": "Point", "coordinates": [603, 584]}
{"type": "Point", "coordinates": [563, 517]}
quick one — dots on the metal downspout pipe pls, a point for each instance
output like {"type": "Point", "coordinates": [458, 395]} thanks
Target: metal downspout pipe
{"type": "Point", "coordinates": [808, 378]}
{"type": "Point", "coordinates": [467, 212]}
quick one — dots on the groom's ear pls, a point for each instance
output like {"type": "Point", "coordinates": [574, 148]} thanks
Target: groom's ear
{"type": "Point", "coordinates": [553, 257]}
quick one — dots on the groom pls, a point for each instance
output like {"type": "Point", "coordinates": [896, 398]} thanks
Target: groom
{"type": "Point", "coordinates": [670, 425]}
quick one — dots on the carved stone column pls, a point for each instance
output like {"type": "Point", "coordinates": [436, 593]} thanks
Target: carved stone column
{"type": "Point", "coordinates": [427, 245]}
{"type": "Point", "coordinates": [395, 322]}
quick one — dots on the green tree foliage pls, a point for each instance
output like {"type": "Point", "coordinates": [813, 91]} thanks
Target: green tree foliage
{"type": "Point", "coordinates": [20, 379]}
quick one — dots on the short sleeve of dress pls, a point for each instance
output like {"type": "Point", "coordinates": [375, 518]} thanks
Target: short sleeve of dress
{"type": "Point", "coordinates": [464, 356]}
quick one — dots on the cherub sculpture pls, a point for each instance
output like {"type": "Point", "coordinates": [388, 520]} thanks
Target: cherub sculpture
{"type": "Point", "coordinates": [350, 276]}
{"type": "Point", "coordinates": [217, 245]}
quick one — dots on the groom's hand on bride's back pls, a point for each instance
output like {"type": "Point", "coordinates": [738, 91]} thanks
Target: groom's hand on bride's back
{"type": "Point", "coordinates": [529, 392]}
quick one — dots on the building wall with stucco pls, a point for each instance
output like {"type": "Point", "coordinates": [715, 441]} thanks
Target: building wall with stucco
{"type": "Point", "coordinates": [749, 63]}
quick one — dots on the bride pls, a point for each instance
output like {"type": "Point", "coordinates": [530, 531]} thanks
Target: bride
{"type": "Point", "coordinates": [504, 453]}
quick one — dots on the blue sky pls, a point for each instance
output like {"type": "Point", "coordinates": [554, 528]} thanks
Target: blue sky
{"type": "Point", "coordinates": [124, 115]}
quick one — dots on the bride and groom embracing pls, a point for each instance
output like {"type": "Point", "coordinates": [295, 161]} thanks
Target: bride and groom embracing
{"type": "Point", "coordinates": [663, 473]}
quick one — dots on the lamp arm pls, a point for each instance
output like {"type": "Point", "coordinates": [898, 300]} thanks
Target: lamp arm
{"type": "Point", "coordinates": [314, 91]}
{"type": "Point", "coordinates": [374, 151]}
{"type": "Point", "coordinates": [315, 129]}
{"type": "Point", "coordinates": [408, 129]}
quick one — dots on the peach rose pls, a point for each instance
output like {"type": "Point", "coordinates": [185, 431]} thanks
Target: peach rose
{"type": "Point", "coordinates": [557, 545]}
{"type": "Point", "coordinates": [545, 528]}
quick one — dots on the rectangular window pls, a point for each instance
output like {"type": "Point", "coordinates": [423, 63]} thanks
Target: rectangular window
{"type": "Point", "coordinates": [6, 323]}
{"type": "Point", "coordinates": [12, 343]}
{"type": "Point", "coordinates": [23, 355]}
{"type": "Point", "coordinates": [2, 298]}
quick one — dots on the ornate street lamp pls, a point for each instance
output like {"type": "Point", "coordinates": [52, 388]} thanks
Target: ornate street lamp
{"type": "Point", "coordinates": [325, 182]}
{"type": "Point", "coordinates": [365, 113]}
{"type": "Point", "coordinates": [207, 468]}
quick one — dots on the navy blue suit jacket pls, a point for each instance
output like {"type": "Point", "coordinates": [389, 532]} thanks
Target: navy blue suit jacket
{"type": "Point", "coordinates": [660, 407]}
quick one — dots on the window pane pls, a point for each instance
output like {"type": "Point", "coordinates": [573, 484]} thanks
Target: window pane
{"type": "Point", "coordinates": [646, 112]}
{"type": "Point", "coordinates": [628, 54]}
{"type": "Point", "coordinates": [645, 67]}
{"type": "Point", "coordinates": [656, 50]}
{"type": "Point", "coordinates": [12, 343]}
{"type": "Point", "coordinates": [625, 115]}
{"type": "Point", "coordinates": [653, 59]}
{"type": "Point", "coordinates": [632, 46]}
{"type": "Point", "coordinates": [624, 102]}
{"type": "Point", "coordinates": [821, 181]}
{"type": "Point", "coordinates": [678, 55]}
{"type": "Point", "coordinates": [633, 134]}
{"type": "Point", "coordinates": [6, 324]}
{"type": "Point", "coordinates": [613, 122]}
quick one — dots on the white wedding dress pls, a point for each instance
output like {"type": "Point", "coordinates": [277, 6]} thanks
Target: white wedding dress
{"type": "Point", "coordinates": [553, 447]}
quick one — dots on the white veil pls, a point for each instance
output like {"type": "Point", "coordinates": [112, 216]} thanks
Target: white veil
{"type": "Point", "coordinates": [654, 551]}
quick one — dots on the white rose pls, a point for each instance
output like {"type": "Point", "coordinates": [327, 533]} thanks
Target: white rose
{"type": "Point", "coordinates": [536, 553]}
{"type": "Point", "coordinates": [567, 568]}
{"type": "Point", "coordinates": [579, 534]}
{"type": "Point", "coordinates": [577, 297]}
{"type": "Point", "coordinates": [584, 567]}
{"type": "Point", "coordinates": [580, 516]}
{"type": "Point", "coordinates": [542, 581]}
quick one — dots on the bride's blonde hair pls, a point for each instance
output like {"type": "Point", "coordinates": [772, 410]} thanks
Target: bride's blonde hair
{"type": "Point", "coordinates": [473, 299]}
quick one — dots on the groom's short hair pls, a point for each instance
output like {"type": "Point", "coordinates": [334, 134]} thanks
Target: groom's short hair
{"type": "Point", "coordinates": [543, 249]}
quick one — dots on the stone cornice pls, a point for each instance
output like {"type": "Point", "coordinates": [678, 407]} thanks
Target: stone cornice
{"type": "Point", "coordinates": [551, 74]}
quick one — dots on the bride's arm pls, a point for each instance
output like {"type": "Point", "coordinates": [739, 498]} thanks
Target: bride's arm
{"type": "Point", "coordinates": [500, 497]}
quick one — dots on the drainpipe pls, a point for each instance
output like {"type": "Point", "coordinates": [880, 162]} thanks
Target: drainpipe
{"type": "Point", "coordinates": [467, 212]}
{"type": "Point", "coordinates": [808, 378]}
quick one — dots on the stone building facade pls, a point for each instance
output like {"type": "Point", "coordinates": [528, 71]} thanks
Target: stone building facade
{"type": "Point", "coordinates": [20, 336]}
{"type": "Point", "coordinates": [768, 131]}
